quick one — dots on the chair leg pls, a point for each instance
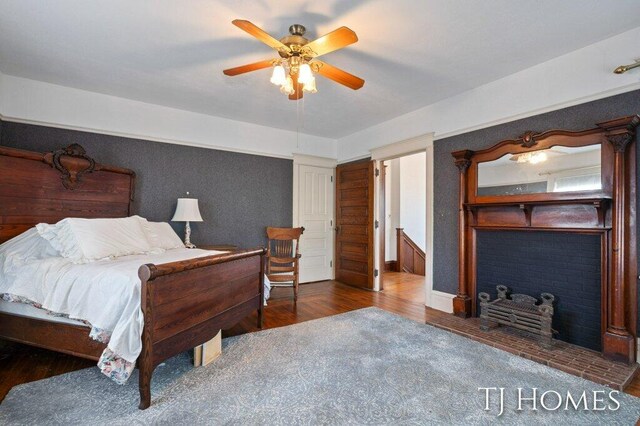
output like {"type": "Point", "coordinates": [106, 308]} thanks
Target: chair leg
{"type": "Point", "coordinates": [295, 290]}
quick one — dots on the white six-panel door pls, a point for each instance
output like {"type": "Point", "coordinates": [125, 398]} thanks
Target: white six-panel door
{"type": "Point", "coordinates": [315, 214]}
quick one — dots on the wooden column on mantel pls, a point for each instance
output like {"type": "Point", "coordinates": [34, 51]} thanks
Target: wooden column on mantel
{"type": "Point", "coordinates": [609, 212]}
{"type": "Point", "coordinates": [618, 341]}
{"type": "Point", "coordinates": [462, 302]}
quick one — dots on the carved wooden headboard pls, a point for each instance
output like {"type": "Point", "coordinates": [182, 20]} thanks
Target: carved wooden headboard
{"type": "Point", "coordinates": [47, 187]}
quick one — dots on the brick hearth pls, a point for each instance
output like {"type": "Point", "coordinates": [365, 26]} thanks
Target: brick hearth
{"type": "Point", "coordinates": [581, 362]}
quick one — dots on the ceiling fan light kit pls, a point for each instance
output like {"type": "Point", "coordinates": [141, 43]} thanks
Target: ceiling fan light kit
{"type": "Point", "coordinates": [284, 72]}
{"type": "Point", "coordinates": [294, 70]}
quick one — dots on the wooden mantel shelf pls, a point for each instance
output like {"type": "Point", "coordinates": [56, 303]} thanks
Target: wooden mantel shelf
{"type": "Point", "coordinates": [595, 201]}
{"type": "Point", "coordinates": [573, 214]}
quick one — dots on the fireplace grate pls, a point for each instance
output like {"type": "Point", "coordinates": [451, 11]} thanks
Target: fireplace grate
{"type": "Point", "coordinates": [519, 311]}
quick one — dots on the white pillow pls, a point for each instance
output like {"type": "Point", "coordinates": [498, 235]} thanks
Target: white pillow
{"type": "Point", "coordinates": [87, 240]}
{"type": "Point", "coordinates": [24, 248]}
{"type": "Point", "coordinates": [160, 235]}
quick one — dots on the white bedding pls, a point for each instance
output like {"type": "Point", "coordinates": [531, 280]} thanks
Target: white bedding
{"type": "Point", "coordinates": [87, 270]}
{"type": "Point", "coordinates": [104, 293]}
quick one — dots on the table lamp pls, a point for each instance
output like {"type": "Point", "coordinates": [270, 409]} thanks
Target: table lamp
{"type": "Point", "coordinates": [187, 211]}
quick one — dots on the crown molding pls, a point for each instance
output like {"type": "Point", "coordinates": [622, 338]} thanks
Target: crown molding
{"type": "Point", "coordinates": [44, 104]}
{"type": "Point", "coordinates": [143, 137]}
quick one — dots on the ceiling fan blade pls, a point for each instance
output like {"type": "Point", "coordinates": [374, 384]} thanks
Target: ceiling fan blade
{"type": "Point", "coordinates": [260, 34]}
{"type": "Point", "coordinates": [297, 87]}
{"type": "Point", "coordinates": [339, 76]}
{"type": "Point", "coordinates": [335, 40]}
{"type": "Point", "coordinates": [249, 67]}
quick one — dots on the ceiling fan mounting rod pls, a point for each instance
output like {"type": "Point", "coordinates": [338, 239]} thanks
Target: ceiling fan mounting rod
{"type": "Point", "coordinates": [297, 30]}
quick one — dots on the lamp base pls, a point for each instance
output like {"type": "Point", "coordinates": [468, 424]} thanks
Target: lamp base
{"type": "Point", "coordinates": [187, 237]}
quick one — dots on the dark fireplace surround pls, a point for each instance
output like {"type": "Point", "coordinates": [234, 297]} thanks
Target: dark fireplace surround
{"type": "Point", "coordinates": [566, 265]}
{"type": "Point", "coordinates": [607, 215]}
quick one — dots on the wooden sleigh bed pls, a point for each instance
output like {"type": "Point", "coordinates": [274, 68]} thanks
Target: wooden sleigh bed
{"type": "Point", "coordinates": [215, 292]}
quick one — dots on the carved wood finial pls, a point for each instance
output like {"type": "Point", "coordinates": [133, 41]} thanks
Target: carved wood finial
{"type": "Point", "coordinates": [72, 170]}
{"type": "Point", "coordinates": [528, 139]}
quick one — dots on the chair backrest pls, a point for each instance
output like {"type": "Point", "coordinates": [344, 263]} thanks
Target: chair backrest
{"type": "Point", "coordinates": [283, 244]}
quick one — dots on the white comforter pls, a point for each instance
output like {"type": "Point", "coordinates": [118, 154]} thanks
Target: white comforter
{"type": "Point", "coordinates": [104, 293]}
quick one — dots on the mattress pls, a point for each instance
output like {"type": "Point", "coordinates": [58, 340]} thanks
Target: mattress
{"type": "Point", "coordinates": [104, 293]}
{"type": "Point", "coordinates": [29, 311]}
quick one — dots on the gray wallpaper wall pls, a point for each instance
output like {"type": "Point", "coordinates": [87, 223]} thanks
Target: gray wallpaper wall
{"type": "Point", "coordinates": [239, 194]}
{"type": "Point", "coordinates": [579, 117]}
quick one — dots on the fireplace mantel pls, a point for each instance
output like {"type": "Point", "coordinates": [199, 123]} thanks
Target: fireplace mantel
{"type": "Point", "coordinates": [571, 215]}
{"type": "Point", "coordinates": [609, 211]}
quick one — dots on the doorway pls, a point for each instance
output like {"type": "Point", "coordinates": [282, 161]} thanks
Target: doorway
{"type": "Point", "coordinates": [313, 209]}
{"type": "Point", "coordinates": [402, 225]}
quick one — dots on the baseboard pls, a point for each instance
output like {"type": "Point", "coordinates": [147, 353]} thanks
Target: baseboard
{"type": "Point", "coordinates": [390, 266]}
{"type": "Point", "coordinates": [441, 301]}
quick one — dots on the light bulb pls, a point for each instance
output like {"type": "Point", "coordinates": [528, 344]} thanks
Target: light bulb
{"type": "Point", "coordinates": [287, 86]}
{"type": "Point", "coordinates": [310, 86]}
{"type": "Point", "coordinates": [304, 74]}
{"type": "Point", "coordinates": [278, 77]}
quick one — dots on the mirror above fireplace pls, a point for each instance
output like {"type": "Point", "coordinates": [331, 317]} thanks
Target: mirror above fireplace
{"type": "Point", "coordinates": [576, 182]}
{"type": "Point", "coordinates": [556, 169]}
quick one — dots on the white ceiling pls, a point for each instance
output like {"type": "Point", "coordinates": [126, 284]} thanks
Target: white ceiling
{"type": "Point", "coordinates": [411, 53]}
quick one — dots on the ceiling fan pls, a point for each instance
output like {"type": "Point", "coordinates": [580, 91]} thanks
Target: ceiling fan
{"type": "Point", "coordinates": [294, 70]}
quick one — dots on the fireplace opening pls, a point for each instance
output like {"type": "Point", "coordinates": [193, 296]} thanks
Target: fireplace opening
{"type": "Point", "coordinates": [567, 265]}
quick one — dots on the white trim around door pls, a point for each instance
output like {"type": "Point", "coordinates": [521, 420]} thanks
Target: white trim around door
{"type": "Point", "coordinates": [319, 238]}
{"type": "Point", "coordinates": [433, 298]}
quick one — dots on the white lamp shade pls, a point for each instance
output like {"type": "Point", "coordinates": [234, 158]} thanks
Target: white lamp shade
{"type": "Point", "coordinates": [187, 211]}
{"type": "Point", "coordinates": [304, 74]}
{"type": "Point", "coordinates": [278, 77]}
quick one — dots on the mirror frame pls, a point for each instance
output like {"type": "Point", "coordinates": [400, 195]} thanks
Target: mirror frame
{"type": "Point", "coordinates": [531, 142]}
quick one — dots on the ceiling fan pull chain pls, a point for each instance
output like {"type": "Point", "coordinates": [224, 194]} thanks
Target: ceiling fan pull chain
{"type": "Point", "coordinates": [297, 125]}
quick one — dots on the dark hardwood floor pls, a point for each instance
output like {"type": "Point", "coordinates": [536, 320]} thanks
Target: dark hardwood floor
{"type": "Point", "coordinates": [403, 295]}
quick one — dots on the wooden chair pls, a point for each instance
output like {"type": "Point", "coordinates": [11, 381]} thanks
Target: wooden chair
{"type": "Point", "coordinates": [282, 257]}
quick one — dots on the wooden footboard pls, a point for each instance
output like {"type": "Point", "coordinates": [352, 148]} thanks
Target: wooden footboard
{"type": "Point", "coordinates": [186, 303]}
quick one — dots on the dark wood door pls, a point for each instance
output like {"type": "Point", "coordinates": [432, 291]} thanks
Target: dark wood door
{"type": "Point", "coordinates": [354, 224]}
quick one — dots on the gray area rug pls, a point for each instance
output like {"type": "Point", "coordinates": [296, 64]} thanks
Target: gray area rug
{"type": "Point", "coordinates": [362, 367]}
